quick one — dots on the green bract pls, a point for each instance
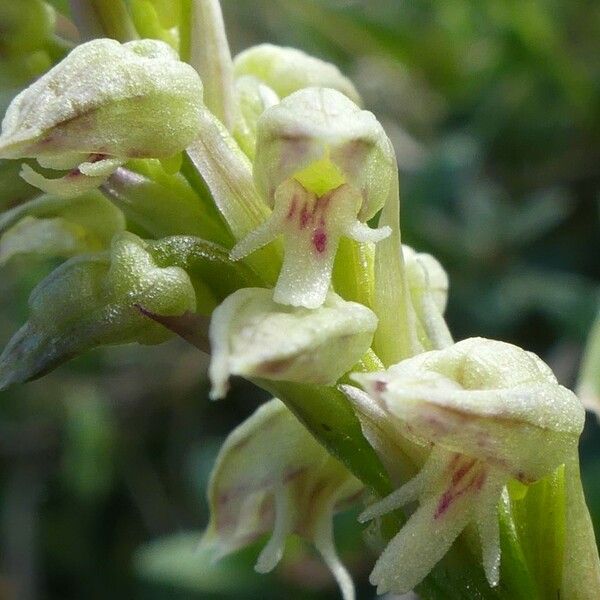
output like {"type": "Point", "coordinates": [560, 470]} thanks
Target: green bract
{"type": "Point", "coordinates": [52, 226]}
{"type": "Point", "coordinates": [104, 103]}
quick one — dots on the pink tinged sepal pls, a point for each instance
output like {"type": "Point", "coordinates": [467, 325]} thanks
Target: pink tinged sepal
{"type": "Point", "coordinates": [103, 104]}
{"type": "Point", "coordinates": [251, 335]}
{"type": "Point", "coordinates": [311, 227]}
{"type": "Point", "coordinates": [272, 476]}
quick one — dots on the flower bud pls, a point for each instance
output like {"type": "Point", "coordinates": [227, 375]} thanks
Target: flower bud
{"type": "Point", "coordinates": [325, 167]}
{"type": "Point", "coordinates": [287, 70]}
{"type": "Point", "coordinates": [588, 386]}
{"type": "Point", "coordinates": [253, 336]}
{"type": "Point", "coordinates": [93, 300]}
{"type": "Point", "coordinates": [52, 226]}
{"type": "Point", "coordinates": [103, 104]}
{"type": "Point", "coordinates": [271, 475]}
{"type": "Point", "coordinates": [253, 98]}
{"type": "Point", "coordinates": [428, 287]}
{"type": "Point", "coordinates": [489, 412]}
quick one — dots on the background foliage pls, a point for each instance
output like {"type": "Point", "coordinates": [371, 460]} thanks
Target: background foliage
{"type": "Point", "coordinates": [493, 107]}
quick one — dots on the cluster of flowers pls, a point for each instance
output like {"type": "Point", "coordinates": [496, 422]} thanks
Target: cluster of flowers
{"type": "Point", "coordinates": [253, 207]}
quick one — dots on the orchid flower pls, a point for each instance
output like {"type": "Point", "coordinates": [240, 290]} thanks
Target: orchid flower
{"type": "Point", "coordinates": [489, 413]}
{"type": "Point", "coordinates": [252, 335]}
{"type": "Point", "coordinates": [295, 489]}
{"type": "Point", "coordinates": [325, 168]}
{"type": "Point", "coordinates": [103, 104]}
{"type": "Point", "coordinates": [234, 208]}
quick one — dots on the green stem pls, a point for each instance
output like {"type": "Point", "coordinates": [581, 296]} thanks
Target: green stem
{"type": "Point", "coordinates": [103, 18]}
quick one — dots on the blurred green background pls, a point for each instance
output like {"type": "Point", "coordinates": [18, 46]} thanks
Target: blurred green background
{"type": "Point", "coordinates": [494, 109]}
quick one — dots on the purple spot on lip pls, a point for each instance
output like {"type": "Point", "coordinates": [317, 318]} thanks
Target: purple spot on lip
{"type": "Point", "coordinates": [443, 504]}
{"type": "Point", "coordinates": [380, 386]}
{"type": "Point", "coordinates": [320, 241]}
{"type": "Point", "coordinates": [460, 473]}
{"type": "Point", "coordinates": [305, 217]}
{"type": "Point", "coordinates": [292, 210]}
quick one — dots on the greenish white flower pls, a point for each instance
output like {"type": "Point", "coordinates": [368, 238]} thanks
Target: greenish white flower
{"type": "Point", "coordinates": [287, 70]}
{"type": "Point", "coordinates": [253, 336]}
{"type": "Point", "coordinates": [103, 104]}
{"type": "Point", "coordinates": [325, 167]}
{"type": "Point", "coordinates": [271, 475]}
{"type": "Point", "coordinates": [488, 412]}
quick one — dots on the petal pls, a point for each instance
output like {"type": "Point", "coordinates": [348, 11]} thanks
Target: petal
{"type": "Point", "coordinates": [325, 544]}
{"type": "Point", "coordinates": [284, 523]}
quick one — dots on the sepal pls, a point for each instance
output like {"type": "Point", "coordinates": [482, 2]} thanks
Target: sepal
{"type": "Point", "coordinates": [253, 336]}
{"type": "Point", "coordinates": [98, 107]}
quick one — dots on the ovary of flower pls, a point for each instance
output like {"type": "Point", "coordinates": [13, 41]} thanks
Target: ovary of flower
{"type": "Point", "coordinates": [490, 412]}
{"type": "Point", "coordinates": [325, 167]}
{"type": "Point", "coordinates": [102, 104]}
{"type": "Point", "coordinates": [271, 475]}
